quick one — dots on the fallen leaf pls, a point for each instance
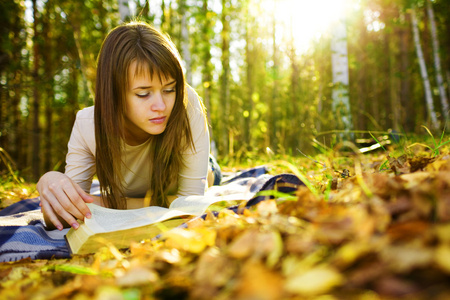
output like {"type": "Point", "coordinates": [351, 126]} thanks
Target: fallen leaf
{"type": "Point", "coordinates": [394, 287]}
{"type": "Point", "coordinates": [442, 258]}
{"type": "Point", "coordinates": [256, 281]}
{"type": "Point", "coordinates": [137, 276]}
{"type": "Point", "coordinates": [314, 282]}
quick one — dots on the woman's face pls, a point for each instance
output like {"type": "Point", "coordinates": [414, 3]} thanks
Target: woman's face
{"type": "Point", "coordinates": [149, 103]}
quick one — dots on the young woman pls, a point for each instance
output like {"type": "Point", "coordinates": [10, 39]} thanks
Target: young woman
{"type": "Point", "coordinates": [146, 134]}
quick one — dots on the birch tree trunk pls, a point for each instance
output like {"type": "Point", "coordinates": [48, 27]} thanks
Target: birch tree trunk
{"type": "Point", "coordinates": [185, 46]}
{"type": "Point", "coordinates": [437, 61]}
{"type": "Point", "coordinates": [423, 71]}
{"type": "Point", "coordinates": [124, 9]}
{"type": "Point", "coordinates": [339, 62]}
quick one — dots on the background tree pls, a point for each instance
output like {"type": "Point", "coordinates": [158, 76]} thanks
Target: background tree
{"type": "Point", "coordinates": [437, 61]}
{"type": "Point", "coordinates": [423, 70]}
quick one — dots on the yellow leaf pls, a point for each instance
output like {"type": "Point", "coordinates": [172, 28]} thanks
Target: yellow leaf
{"type": "Point", "coordinates": [277, 251]}
{"type": "Point", "coordinates": [243, 245]}
{"type": "Point", "coordinates": [315, 281]}
{"type": "Point", "coordinates": [404, 258]}
{"type": "Point", "coordinates": [350, 252]}
{"type": "Point", "coordinates": [137, 276]}
{"type": "Point", "coordinates": [443, 232]}
{"type": "Point", "coordinates": [442, 257]}
{"type": "Point", "coordinates": [194, 240]}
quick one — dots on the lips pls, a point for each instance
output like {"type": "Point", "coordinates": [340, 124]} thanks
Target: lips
{"type": "Point", "coordinates": [158, 120]}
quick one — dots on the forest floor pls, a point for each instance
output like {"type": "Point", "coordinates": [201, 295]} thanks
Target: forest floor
{"type": "Point", "coordinates": [368, 226]}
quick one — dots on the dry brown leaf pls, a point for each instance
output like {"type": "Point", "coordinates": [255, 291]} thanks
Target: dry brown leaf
{"type": "Point", "coordinates": [256, 281]}
{"type": "Point", "coordinates": [407, 257]}
{"type": "Point", "coordinates": [394, 287]}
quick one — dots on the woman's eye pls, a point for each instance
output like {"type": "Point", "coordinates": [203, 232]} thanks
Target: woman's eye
{"type": "Point", "coordinates": [169, 90]}
{"type": "Point", "coordinates": [142, 95]}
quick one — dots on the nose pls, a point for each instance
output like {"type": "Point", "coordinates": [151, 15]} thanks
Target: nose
{"type": "Point", "coordinates": [158, 103]}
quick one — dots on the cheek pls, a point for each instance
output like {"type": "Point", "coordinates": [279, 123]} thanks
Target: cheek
{"type": "Point", "coordinates": [171, 105]}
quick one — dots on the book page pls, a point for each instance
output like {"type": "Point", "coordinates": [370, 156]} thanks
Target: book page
{"type": "Point", "coordinates": [106, 219]}
{"type": "Point", "coordinates": [196, 205]}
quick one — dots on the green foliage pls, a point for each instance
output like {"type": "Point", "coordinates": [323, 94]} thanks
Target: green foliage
{"type": "Point", "coordinates": [12, 187]}
{"type": "Point", "coordinates": [265, 94]}
{"type": "Point", "coordinates": [74, 269]}
{"type": "Point", "coordinates": [437, 145]}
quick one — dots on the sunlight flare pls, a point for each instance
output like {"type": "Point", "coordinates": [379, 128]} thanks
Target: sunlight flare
{"type": "Point", "coordinates": [305, 20]}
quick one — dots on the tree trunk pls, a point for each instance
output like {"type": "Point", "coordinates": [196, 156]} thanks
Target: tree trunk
{"type": "Point", "coordinates": [35, 158]}
{"type": "Point", "coordinates": [3, 91]}
{"type": "Point", "coordinates": [294, 124]}
{"type": "Point", "coordinates": [408, 111]}
{"type": "Point", "coordinates": [88, 70]}
{"type": "Point", "coordinates": [437, 61]}
{"type": "Point", "coordinates": [163, 15]}
{"type": "Point", "coordinates": [272, 114]}
{"type": "Point", "coordinates": [47, 56]}
{"type": "Point", "coordinates": [224, 87]}
{"type": "Point", "coordinates": [388, 79]}
{"type": "Point", "coordinates": [250, 61]}
{"type": "Point", "coordinates": [207, 69]}
{"type": "Point", "coordinates": [423, 72]}
{"type": "Point", "coordinates": [18, 153]}
{"type": "Point", "coordinates": [362, 78]}
{"type": "Point", "coordinates": [340, 95]}
{"type": "Point", "coordinates": [185, 45]}
{"type": "Point", "coordinates": [124, 10]}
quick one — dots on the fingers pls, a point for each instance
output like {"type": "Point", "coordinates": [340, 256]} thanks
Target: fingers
{"type": "Point", "coordinates": [58, 209]}
{"type": "Point", "coordinates": [62, 200]}
{"type": "Point", "coordinates": [86, 197]}
{"type": "Point", "coordinates": [52, 220]}
{"type": "Point", "coordinates": [64, 195]}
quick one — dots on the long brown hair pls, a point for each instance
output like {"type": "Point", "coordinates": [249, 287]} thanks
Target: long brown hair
{"type": "Point", "coordinates": [155, 53]}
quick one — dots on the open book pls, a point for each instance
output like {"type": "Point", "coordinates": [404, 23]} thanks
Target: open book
{"type": "Point", "coordinates": [121, 227]}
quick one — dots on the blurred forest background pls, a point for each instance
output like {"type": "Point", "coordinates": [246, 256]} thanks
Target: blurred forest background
{"type": "Point", "coordinates": [263, 71]}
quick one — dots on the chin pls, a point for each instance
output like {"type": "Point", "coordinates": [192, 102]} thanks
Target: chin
{"type": "Point", "coordinates": [157, 131]}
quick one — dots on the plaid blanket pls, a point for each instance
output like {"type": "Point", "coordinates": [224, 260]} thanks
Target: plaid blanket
{"type": "Point", "coordinates": [23, 233]}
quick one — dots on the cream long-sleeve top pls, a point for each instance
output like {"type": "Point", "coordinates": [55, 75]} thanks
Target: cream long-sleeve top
{"type": "Point", "coordinates": [80, 159]}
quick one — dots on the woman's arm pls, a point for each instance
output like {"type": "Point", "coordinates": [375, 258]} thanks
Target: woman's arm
{"type": "Point", "coordinates": [64, 196]}
{"type": "Point", "coordinates": [193, 176]}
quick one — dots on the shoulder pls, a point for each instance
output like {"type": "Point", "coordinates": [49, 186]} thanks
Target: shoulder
{"type": "Point", "coordinates": [85, 119]}
{"type": "Point", "coordinates": [194, 104]}
{"type": "Point", "coordinates": [84, 128]}
{"type": "Point", "coordinates": [86, 113]}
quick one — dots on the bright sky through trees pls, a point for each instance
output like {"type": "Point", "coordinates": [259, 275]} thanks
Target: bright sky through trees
{"type": "Point", "coordinates": [306, 20]}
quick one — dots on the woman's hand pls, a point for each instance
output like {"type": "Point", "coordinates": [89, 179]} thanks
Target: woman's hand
{"type": "Point", "coordinates": [62, 200]}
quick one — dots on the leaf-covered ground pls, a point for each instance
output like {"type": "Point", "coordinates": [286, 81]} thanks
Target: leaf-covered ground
{"type": "Point", "coordinates": [372, 226]}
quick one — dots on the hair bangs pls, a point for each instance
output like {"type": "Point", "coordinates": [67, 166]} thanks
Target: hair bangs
{"type": "Point", "coordinates": [149, 64]}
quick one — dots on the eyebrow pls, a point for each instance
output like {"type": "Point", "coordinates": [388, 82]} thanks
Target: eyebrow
{"type": "Point", "coordinates": [147, 87]}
